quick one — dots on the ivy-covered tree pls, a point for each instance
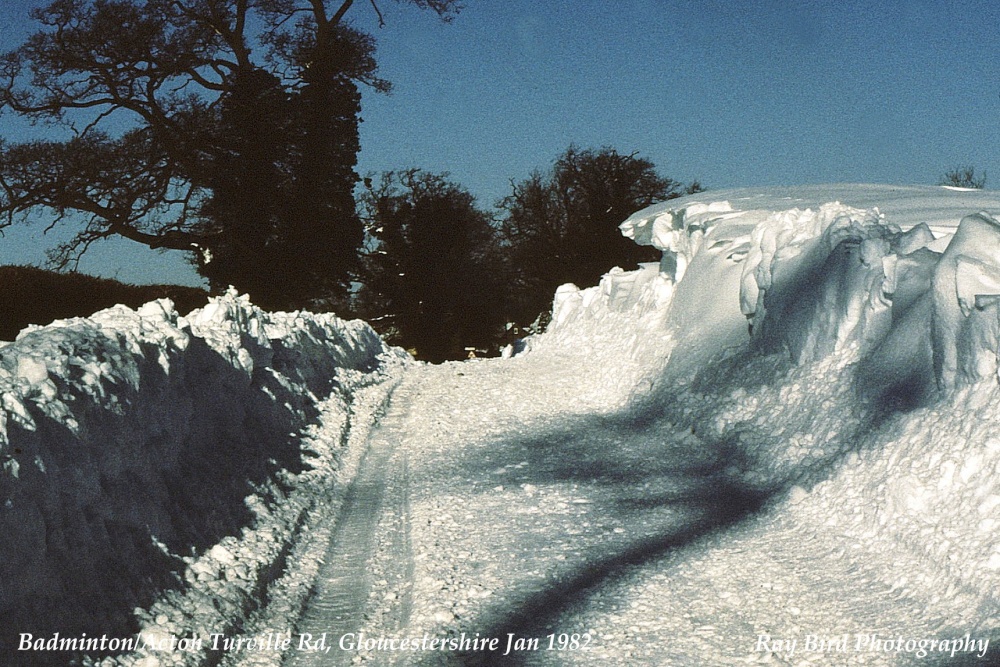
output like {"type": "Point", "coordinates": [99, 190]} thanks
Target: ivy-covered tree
{"type": "Point", "coordinates": [224, 128]}
{"type": "Point", "coordinates": [562, 227]}
{"type": "Point", "coordinates": [432, 279]}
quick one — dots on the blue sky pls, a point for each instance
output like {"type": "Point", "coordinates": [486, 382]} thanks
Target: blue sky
{"type": "Point", "coordinates": [729, 93]}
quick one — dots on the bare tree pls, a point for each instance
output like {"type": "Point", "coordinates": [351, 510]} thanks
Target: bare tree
{"type": "Point", "coordinates": [963, 177]}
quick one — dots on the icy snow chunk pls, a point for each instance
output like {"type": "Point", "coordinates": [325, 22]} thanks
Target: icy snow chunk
{"type": "Point", "coordinates": [979, 340]}
{"type": "Point", "coordinates": [160, 309]}
{"type": "Point", "coordinates": [669, 230]}
{"type": "Point", "coordinates": [222, 555]}
{"type": "Point", "coordinates": [567, 300]}
{"type": "Point", "coordinates": [13, 405]}
{"type": "Point", "coordinates": [202, 570]}
{"type": "Point", "coordinates": [624, 290]}
{"type": "Point", "coordinates": [32, 369]}
{"type": "Point", "coordinates": [917, 237]}
{"type": "Point", "coordinates": [975, 278]}
{"type": "Point", "coordinates": [900, 370]}
{"type": "Point", "coordinates": [233, 327]}
{"type": "Point", "coordinates": [971, 263]}
{"type": "Point", "coordinates": [681, 232]}
{"type": "Point", "coordinates": [797, 494]}
{"type": "Point", "coordinates": [245, 360]}
{"type": "Point", "coordinates": [816, 295]}
{"type": "Point", "coordinates": [908, 277]}
{"type": "Point", "coordinates": [784, 230]}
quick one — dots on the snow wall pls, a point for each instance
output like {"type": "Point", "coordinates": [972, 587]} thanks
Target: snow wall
{"type": "Point", "coordinates": [133, 441]}
{"type": "Point", "coordinates": [843, 356]}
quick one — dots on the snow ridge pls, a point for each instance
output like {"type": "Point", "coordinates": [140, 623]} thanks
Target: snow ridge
{"type": "Point", "coordinates": [132, 438]}
{"type": "Point", "coordinates": [811, 281]}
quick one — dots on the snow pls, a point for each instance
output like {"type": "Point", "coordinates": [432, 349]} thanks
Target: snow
{"type": "Point", "coordinates": [941, 208]}
{"type": "Point", "coordinates": [776, 446]}
{"type": "Point", "coordinates": [855, 476]}
{"type": "Point", "coordinates": [131, 440]}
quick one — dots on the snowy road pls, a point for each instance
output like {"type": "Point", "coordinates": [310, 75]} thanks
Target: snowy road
{"type": "Point", "coordinates": [517, 507]}
{"type": "Point", "coordinates": [340, 595]}
{"type": "Point", "coordinates": [656, 483]}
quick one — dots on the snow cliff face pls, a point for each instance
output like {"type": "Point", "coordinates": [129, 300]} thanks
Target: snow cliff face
{"type": "Point", "coordinates": [811, 276]}
{"type": "Point", "coordinates": [838, 341]}
{"type": "Point", "coordinates": [132, 438]}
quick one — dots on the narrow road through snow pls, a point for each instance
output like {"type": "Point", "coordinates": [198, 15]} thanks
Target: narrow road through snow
{"type": "Point", "coordinates": [515, 501]}
{"type": "Point", "coordinates": [340, 596]}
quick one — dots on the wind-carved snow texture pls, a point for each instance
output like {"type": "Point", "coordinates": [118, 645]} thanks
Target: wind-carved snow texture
{"type": "Point", "coordinates": [133, 442]}
{"type": "Point", "coordinates": [968, 270]}
{"type": "Point", "coordinates": [816, 281]}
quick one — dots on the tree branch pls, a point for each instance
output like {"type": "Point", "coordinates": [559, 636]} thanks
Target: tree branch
{"type": "Point", "coordinates": [337, 16]}
{"type": "Point", "coordinates": [378, 12]}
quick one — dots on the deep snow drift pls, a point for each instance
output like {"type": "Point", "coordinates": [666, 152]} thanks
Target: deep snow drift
{"type": "Point", "coordinates": [843, 341]}
{"type": "Point", "coordinates": [894, 291]}
{"type": "Point", "coordinates": [140, 448]}
{"type": "Point", "coordinates": [786, 429]}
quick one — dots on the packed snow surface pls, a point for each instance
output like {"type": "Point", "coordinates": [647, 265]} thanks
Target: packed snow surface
{"type": "Point", "coordinates": [780, 445]}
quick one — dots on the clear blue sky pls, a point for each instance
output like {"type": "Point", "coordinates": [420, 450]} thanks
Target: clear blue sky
{"type": "Point", "coordinates": [730, 93]}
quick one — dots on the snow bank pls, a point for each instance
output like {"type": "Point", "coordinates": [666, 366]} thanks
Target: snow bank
{"type": "Point", "coordinates": [620, 321]}
{"type": "Point", "coordinates": [811, 278]}
{"type": "Point", "coordinates": [133, 440]}
{"type": "Point", "coordinates": [839, 341]}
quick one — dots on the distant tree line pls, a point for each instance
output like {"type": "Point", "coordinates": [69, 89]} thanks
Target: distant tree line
{"type": "Point", "coordinates": [441, 274]}
{"type": "Point", "coordinates": [228, 129]}
{"type": "Point", "coordinates": [30, 295]}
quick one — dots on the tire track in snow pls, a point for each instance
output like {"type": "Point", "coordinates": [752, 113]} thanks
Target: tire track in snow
{"type": "Point", "coordinates": [339, 602]}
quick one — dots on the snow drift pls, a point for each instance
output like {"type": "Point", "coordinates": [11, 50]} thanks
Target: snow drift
{"type": "Point", "coordinates": [132, 442]}
{"type": "Point", "coordinates": [799, 271]}
{"type": "Point", "coordinates": [840, 344]}
{"type": "Point", "coordinates": [834, 348]}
